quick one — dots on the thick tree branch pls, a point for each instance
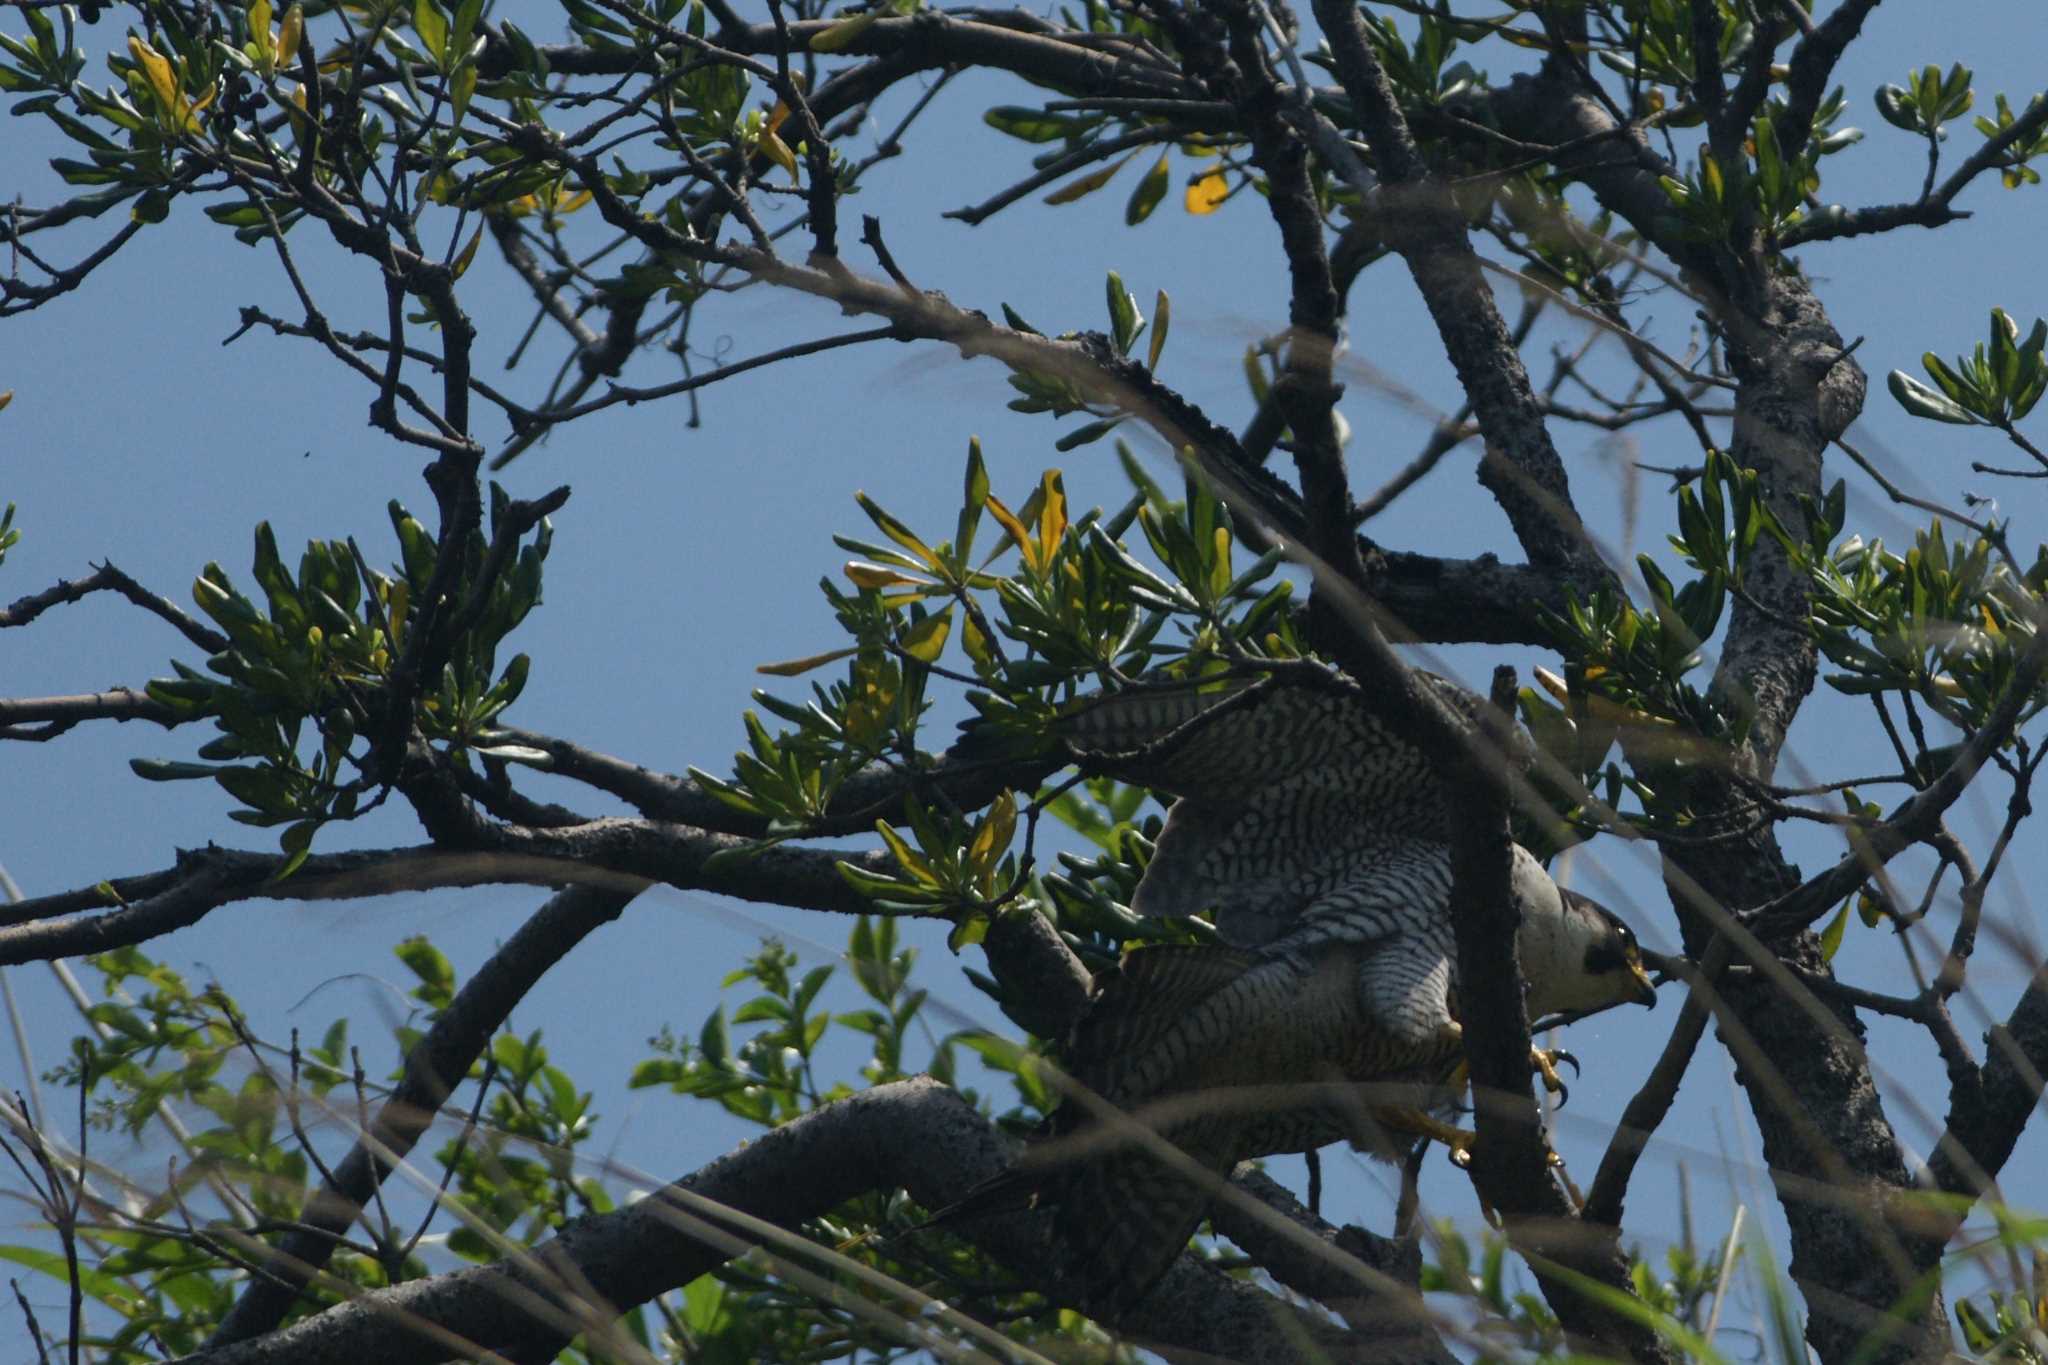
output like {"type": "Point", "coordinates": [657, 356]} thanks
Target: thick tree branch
{"type": "Point", "coordinates": [1324, 1275]}
{"type": "Point", "coordinates": [1813, 65]}
{"type": "Point", "coordinates": [874, 793]}
{"type": "Point", "coordinates": [917, 1135]}
{"type": "Point", "coordinates": [618, 855]}
{"type": "Point", "coordinates": [1985, 1124]}
{"type": "Point", "coordinates": [1417, 217]}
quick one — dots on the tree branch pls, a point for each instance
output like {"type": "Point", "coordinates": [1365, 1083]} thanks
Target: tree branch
{"type": "Point", "coordinates": [916, 1134]}
{"type": "Point", "coordinates": [1419, 220]}
{"type": "Point", "coordinates": [121, 703]}
{"type": "Point", "coordinates": [107, 578]}
{"type": "Point", "coordinates": [441, 1058]}
{"type": "Point", "coordinates": [618, 855]}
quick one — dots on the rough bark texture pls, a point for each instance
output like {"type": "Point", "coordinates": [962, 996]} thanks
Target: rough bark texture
{"type": "Point", "coordinates": [917, 1134]}
{"type": "Point", "coordinates": [1825, 1136]}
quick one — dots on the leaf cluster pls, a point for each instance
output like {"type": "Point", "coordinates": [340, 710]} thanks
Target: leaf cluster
{"type": "Point", "coordinates": [310, 671]}
{"type": "Point", "coordinates": [1080, 609]}
{"type": "Point", "coordinates": [1996, 385]}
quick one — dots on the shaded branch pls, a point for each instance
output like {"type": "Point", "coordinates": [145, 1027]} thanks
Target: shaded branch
{"type": "Point", "coordinates": [617, 855]}
{"type": "Point", "coordinates": [1417, 217]}
{"type": "Point", "coordinates": [1652, 1101]}
{"type": "Point", "coordinates": [874, 793]}
{"type": "Point", "coordinates": [915, 1134]}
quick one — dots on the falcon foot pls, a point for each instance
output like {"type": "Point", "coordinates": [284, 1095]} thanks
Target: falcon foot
{"type": "Point", "coordinates": [1428, 1126]}
{"type": "Point", "coordinates": [1545, 1061]}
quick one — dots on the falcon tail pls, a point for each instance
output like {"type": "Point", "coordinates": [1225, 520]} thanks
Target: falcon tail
{"type": "Point", "coordinates": [1119, 1210]}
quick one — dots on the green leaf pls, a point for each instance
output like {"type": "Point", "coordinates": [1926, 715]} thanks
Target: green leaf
{"type": "Point", "coordinates": [1125, 321]}
{"type": "Point", "coordinates": [158, 770]}
{"type": "Point", "coordinates": [432, 26]}
{"type": "Point", "coordinates": [1831, 937]}
{"type": "Point", "coordinates": [1149, 192]}
{"type": "Point", "coordinates": [1033, 125]}
{"type": "Point", "coordinates": [1162, 315]}
{"type": "Point", "coordinates": [1082, 436]}
{"type": "Point", "coordinates": [436, 974]}
{"type": "Point", "coordinates": [1921, 401]}
{"type": "Point", "coordinates": [1083, 186]}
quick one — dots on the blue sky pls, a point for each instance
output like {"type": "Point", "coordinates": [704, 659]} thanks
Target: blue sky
{"type": "Point", "coordinates": [689, 554]}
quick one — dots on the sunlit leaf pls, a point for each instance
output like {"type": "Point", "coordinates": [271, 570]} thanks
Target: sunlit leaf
{"type": "Point", "coordinates": [926, 640]}
{"type": "Point", "coordinates": [1206, 194]}
{"type": "Point", "coordinates": [790, 668]}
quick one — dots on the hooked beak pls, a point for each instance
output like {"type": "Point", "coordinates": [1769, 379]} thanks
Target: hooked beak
{"type": "Point", "coordinates": [1645, 992]}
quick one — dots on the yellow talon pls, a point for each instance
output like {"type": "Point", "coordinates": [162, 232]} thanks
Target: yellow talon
{"type": "Point", "coordinates": [1420, 1124]}
{"type": "Point", "coordinates": [1545, 1061]}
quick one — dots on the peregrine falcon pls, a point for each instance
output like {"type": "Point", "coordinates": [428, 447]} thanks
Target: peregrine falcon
{"type": "Point", "coordinates": [1316, 836]}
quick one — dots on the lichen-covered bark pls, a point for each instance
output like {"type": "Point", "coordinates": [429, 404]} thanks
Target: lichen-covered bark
{"type": "Point", "coordinates": [1826, 1140]}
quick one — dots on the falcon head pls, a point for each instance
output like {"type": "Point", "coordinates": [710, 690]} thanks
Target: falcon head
{"type": "Point", "coordinates": [1579, 957]}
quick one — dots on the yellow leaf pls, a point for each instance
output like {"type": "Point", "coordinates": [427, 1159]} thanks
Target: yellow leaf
{"type": "Point", "coordinates": [1710, 175]}
{"type": "Point", "coordinates": [781, 110]}
{"type": "Point", "coordinates": [1087, 184]}
{"type": "Point", "coordinates": [896, 530]}
{"type": "Point", "coordinates": [778, 152]}
{"type": "Point", "coordinates": [789, 668]}
{"type": "Point", "coordinates": [461, 88]}
{"type": "Point", "coordinates": [262, 42]}
{"type": "Point", "coordinates": [288, 34]}
{"type": "Point", "coordinates": [927, 639]}
{"type": "Point", "coordinates": [566, 202]}
{"type": "Point", "coordinates": [1207, 194]}
{"type": "Point", "coordinates": [1831, 937]}
{"type": "Point", "coordinates": [844, 32]}
{"type": "Point", "coordinates": [301, 126]}
{"type": "Point", "coordinates": [1162, 314]}
{"type": "Point", "coordinates": [865, 575]}
{"type": "Point", "coordinates": [974, 642]}
{"type": "Point", "coordinates": [468, 253]}
{"type": "Point", "coordinates": [163, 83]}
{"type": "Point", "coordinates": [1052, 513]}
{"type": "Point", "coordinates": [910, 861]}
{"type": "Point", "coordinates": [993, 838]}
{"type": "Point", "coordinates": [1020, 537]}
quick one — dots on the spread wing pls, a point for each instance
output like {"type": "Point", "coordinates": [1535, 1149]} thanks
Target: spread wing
{"type": "Point", "coordinates": [1296, 800]}
{"type": "Point", "coordinates": [1225, 1055]}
